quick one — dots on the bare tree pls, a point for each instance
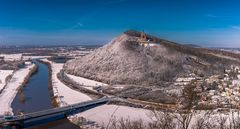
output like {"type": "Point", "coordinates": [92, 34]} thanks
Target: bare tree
{"type": "Point", "coordinates": [164, 120]}
{"type": "Point", "coordinates": [205, 122]}
{"type": "Point", "coordinates": [184, 119]}
{"type": "Point", "coordinates": [234, 120]}
{"type": "Point", "coordinates": [190, 95]}
{"type": "Point", "coordinates": [126, 124]}
{"type": "Point", "coordinates": [221, 122]}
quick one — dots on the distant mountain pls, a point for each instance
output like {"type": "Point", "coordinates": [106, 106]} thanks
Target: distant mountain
{"type": "Point", "coordinates": [192, 45]}
{"type": "Point", "coordinates": [141, 59]}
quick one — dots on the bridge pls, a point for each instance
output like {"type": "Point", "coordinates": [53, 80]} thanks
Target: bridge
{"type": "Point", "coordinates": [46, 116]}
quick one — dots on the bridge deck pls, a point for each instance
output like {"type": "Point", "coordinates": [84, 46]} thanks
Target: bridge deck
{"type": "Point", "coordinates": [66, 110]}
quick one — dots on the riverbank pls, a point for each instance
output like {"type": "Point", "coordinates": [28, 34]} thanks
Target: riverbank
{"type": "Point", "coordinates": [65, 95]}
{"type": "Point", "coordinates": [62, 93]}
{"type": "Point", "coordinates": [36, 96]}
{"type": "Point", "coordinates": [78, 87]}
{"type": "Point", "coordinates": [19, 78]}
{"type": "Point", "coordinates": [5, 76]}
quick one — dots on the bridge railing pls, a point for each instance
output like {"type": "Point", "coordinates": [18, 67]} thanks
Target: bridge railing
{"type": "Point", "coordinates": [56, 110]}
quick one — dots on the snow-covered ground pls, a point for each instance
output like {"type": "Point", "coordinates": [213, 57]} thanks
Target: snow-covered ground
{"type": "Point", "coordinates": [64, 94]}
{"type": "Point", "coordinates": [106, 113]}
{"type": "Point", "coordinates": [3, 75]}
{"type": "Point", "coordinates": [11, 57]}
{"type": "Point", "coordinates": [34, 57]}
{"type": "Point", "coordinates": [87, 83]}
{"type": "Point", "coordinates": [11, 89]}
{"type": "Point", "coordinates": [102, 114]}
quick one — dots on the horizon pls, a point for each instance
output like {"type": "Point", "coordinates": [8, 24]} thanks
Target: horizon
{"type": "Point", "coordinates": [78, 22]}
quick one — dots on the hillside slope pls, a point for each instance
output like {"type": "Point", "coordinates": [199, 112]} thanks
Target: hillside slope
{"type": "Point", "coordinates": [125, 60]}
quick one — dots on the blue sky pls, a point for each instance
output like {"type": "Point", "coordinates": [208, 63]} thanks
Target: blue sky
{"type": "Point", "coordinates": [210, 23]}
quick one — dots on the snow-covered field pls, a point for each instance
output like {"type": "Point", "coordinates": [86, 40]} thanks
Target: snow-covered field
{"type": "Point", "coordinates": [87, 83]}
{"type": "Point", "coordinates": [64, 94]}
{"type": "Point", "coordinates": [11, 57]}
{"type": "Point", "coordinates": [34, 57]}
{"type": "Point", "coordinates": [102, 114]}
{"type": "Point", "coordinates": [3, 75]}
{"type": "Point", "coordinates": [11, 89]}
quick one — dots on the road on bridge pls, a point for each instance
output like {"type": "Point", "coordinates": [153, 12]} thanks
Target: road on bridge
{"type": "Point", "coordinates": [45, 116]}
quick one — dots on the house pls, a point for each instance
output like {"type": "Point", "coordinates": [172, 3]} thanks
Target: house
{"type": "Point", "coordinates": [27, 62]}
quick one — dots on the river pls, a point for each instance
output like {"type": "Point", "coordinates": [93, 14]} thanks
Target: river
{"type": "Point", "coordinates": [35, 96]}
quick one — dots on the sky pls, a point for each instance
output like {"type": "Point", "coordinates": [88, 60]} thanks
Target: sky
{"type": "Point", "coordinates": [209, 23]}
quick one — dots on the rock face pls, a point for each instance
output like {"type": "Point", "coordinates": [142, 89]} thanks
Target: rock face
{"type": "Point", "coordinates": [125, 60]}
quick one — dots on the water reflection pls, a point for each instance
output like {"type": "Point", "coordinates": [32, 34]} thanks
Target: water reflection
{"type": "Point", "coordinates": [21, 96]}
{"type": "Point", "coordinates": [60, 124]}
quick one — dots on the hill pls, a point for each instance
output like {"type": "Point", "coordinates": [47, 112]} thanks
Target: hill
{"type": "Point", "coordinates": [142, 59]}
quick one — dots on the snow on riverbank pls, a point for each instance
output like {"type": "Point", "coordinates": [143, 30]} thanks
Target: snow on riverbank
{"type": "Point", "coordinates": [11, 89]}
{"type": "Point", "coordinates": [86, 82]}
{"type": "Point", "coordinates": [3, 75]}
{"type": "Point", "coordinates": [64, 95]}
{"type": "Point", "coordinates": [102, 114]}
